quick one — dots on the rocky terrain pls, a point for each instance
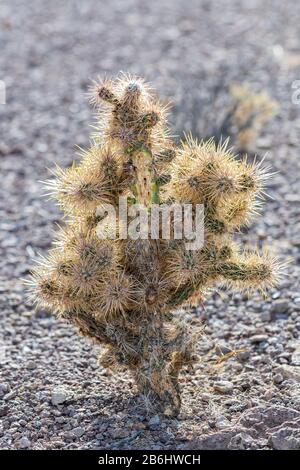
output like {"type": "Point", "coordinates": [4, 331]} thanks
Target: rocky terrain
{"type": "Point", "coordinates": [53, 393]}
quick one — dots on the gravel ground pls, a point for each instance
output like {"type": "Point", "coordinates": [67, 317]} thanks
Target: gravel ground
{"type": "Point", "coordinates": [53, 394]}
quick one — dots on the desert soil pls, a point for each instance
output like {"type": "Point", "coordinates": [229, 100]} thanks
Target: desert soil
{"type": "Point", "coordinates": [53, 393]}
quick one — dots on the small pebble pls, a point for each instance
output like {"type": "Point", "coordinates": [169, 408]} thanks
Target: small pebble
{"type": "Point", "coordinates": [258, 338]}
{"type": "Point", "coordinates": [78, 432]}
{"type": "Point", "coordinates": [24, 442]}
{"type": "Point", "coordinates": [58, 397]}
{"type": "Point", "coordinates": [223, 386]}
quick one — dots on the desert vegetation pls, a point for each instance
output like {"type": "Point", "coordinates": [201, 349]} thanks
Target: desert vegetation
{"type": "Point", "coordinates": [124, 292]}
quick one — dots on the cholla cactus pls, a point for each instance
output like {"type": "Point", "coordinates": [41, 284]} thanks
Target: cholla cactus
{"type": "Point", "coordinates": [248, 113]}
{"type": "Point", "coordinates": [124, 293]}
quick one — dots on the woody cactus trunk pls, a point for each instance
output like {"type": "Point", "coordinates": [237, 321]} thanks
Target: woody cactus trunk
{"type": "Point", "coordinates": [124, 293]}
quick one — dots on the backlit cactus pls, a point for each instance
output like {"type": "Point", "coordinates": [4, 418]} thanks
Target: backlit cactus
{"type": "Point", "coordinates": [248, 112]}
{"type": "Point", "coordinates": [123, 292]}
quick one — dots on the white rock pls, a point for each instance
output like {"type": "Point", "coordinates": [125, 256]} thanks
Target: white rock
{"type": "Point", "coordinates": [222, 422]}
{"type": "Point", "coordinates": [223, 386]}
{"type": "Point", "coordinates": [58, 397]}
{"type": "Point", "coordinates": [78, 432]}
{"type": "Point", "coordinates": [24, 442]}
